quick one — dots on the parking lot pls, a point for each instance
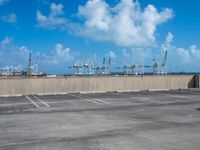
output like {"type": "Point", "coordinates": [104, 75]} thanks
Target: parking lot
{"type": "Point", "coordinates": [165, 120]}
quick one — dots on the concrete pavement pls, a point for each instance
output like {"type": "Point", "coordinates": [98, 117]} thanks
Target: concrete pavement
{"type": "Point", "coordinates": [168, 120]}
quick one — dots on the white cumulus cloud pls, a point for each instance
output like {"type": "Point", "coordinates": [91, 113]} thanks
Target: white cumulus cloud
{"type": "Point", "coordinates": [186, 59]}
{"type": "Point", "coordinates": [6, 41]}
{"type": "Point", "coordinates": [179, 58]}
{"type": "Point", "coordinates": [55, 19]}
{"type": "Point", "coordinates": [13, 55]}
{"type": "Point", "coordinates": [125, 24]}
{"type": "Point", "coordinates": [189, 56]}
{"type": "Point", "coordinates": [60, 55]}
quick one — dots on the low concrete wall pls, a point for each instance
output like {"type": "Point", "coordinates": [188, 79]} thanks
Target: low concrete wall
{"type": "Point", "coordinates": [61, 85]}
{"type": "Point", "coordinates": [196, 81]}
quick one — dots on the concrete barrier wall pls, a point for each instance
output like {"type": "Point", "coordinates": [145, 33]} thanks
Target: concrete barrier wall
{"type": "Point", "coordinates": [196, 81]}
{"type": "Point", "coordinates": [28, 86]}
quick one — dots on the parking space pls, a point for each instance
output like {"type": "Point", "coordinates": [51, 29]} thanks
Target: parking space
{"type": "Point", "coordinates": [13, 100]}
{"type": "Point", "coordinates": [104, 121]}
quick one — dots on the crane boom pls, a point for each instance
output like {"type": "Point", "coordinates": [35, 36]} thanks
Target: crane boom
{"type": "Point", "coordinates": [165, 59]}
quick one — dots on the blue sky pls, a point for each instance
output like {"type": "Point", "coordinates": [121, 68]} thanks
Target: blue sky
{"type": "Point", "coordinates": [60, 32]}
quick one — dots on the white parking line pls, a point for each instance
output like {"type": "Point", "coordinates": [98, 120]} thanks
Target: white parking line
{"type": "Point", "coordinates": [63, 101]}
{"type": "Point", "coordinates": [34, 103]}
{"type": "Point", "coordinates": [96, 102]}
{"type": "Point", "coordinates": [41, 101]}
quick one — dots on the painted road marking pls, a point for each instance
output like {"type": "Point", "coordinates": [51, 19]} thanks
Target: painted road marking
{"type": "Point", "coordinates": [38, 103]}
{"type": "Point", "coordinates": [89, 100]}
{"type": "Point", "coordinates": [41, 101]}
{"type": "Point", "coordinates": [64, 101]}
{"type": "Point", "coordinates": [95, 99]}
{"type": "Point", "coordinates": [52, 102]}
{"type": "Point", "coordinates": [34, 103]}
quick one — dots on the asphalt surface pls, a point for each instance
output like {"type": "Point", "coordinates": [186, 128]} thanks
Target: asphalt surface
{"type": "Point", "coordinates": [168, 120]}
